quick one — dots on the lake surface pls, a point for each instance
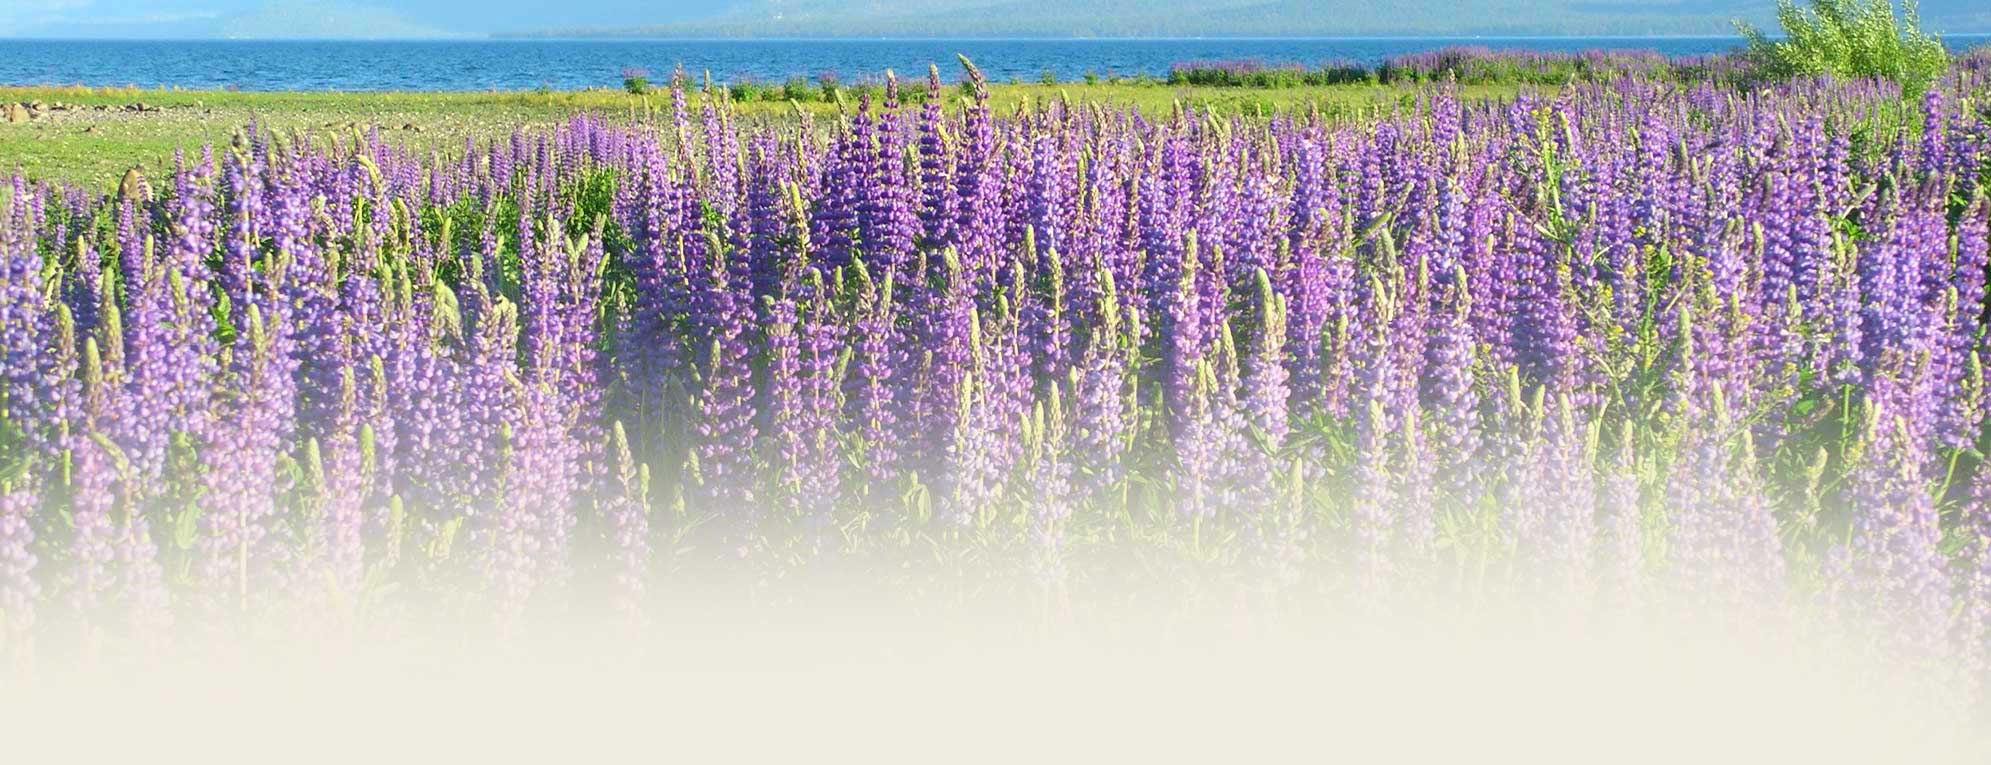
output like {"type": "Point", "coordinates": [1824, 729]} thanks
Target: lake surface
{"type": "Point", "coordinates": [574, 64]}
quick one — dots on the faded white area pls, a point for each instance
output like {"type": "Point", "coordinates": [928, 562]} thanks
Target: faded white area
{"type": "Point", "coordinates": [852, 684]}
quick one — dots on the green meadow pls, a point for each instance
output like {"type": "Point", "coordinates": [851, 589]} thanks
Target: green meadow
{"type": "Point", "coordinates": [92, 136]}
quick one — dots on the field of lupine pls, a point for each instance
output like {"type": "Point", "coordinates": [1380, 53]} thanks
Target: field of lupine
{"type": "Point", "coordinates": [1632, 344]}
{"type": "Point", "coordinates": [1474, 65]}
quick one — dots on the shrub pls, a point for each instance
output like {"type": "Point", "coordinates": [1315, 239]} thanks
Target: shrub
{"type": "Point", "coordinates": [797, 89]}
{"type": "Point", "coordinates": [1849, 38]}
{"type": "Point", "coordinates": [636, 80]}
{"type": "Point", "coordinates": [1479, 65]}
{"type": "Point", "coordinates": [747, 90]}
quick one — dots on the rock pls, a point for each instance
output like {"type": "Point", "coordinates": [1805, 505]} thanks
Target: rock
{"type": "Point", "coordinates": [132, 188]}
{"type": "Point", "coordinates": [412, 128]}
{"type": "Point", "coordinates": [17, 114]}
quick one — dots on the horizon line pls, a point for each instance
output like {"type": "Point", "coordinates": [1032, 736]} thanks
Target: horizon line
{"type": "Point", "coordinates": [547, 38]}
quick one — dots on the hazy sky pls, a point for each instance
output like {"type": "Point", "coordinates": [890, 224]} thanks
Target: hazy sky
{"type": "Point", "coordinates": [127, 17]}
{"type": "Point", "coordinates": [838, 18]}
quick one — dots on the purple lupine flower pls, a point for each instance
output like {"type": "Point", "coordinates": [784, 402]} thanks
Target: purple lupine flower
{"type": "Point", "coordinates": [821, 341]}
{"type": "Point", "coordinates": [1544, 332]}
{"type": "Point", "coordinates": [1305, 285]}
{"type": "Point", "coordinates": [92, 546]}
{"type": "Point", "coordinates": [889, 215]}
{"type": "Point", "coordinates": [132, 249]}
{"type": "Point", "coordinates": [943, 324]}
{"type": "Point", "coordinates": [625, 509]}
{"type": "Point", "coordinates": [767, 225]}
{"type": "Point", "coordinates": [1565, 484]}
{"type": "Point", "coordinates": [1067, 312]}
{"type": "Point", "coordinates": [1722, 543]}
{"type": "Point", "coordinates": [1185, 338]}
{"type": "Point", "coordinates": [836, 229]}
{"type": "Point", "coordinates": [936, 166]}
{"type": "Point", "coordinates": [1902, 283]}
{"type": "Point", "coordinates": [1262, 399]}
{"type": "Point", "coordinates": [84, 294]}
{"type": "Point", "coordinates": [1051, 191]}
{"type": "Point", "coordinates": [239, 503]}
{"type": "Point", "coordinates": [784, 406]}
{"type": "Point", "coordinates": [722, 408]}
{"type": "Point", "coordinates": [240, 247]}
{"type": "Point", "coordinates": [1962, 408]}
{"type": "Point", "coordinates": [649, 347]}
{"type": "Point", "coordinates": [1373, 500]}
{"type": "Point", "coordinates": [722, 151]}
{"type": "Point", "coordinates": [874, 383]}
{"type": "Point", "coordinates": [1449, 391]}
{"type": "Point", "coordinates": [1934, 155]}
{"type": "Point", "coordinates": [1046, 315]}
{"type": "Point", "coordinates": [170, 347]}
{"type": "Point", "coordinates": [1101, 387]}
{"type": "Point", "coordinates": [1896, 579]}
{"type": "Point", "coordinates": [1049, 473]}
{"type": "Point", "coordinates": [976, 232]}
{"type": "Point", "coordinates": [112, 561]}
{"type": "Point", "coordinates": [23, 326]}
{"type": "Point", "coordinates": [1196, 390]}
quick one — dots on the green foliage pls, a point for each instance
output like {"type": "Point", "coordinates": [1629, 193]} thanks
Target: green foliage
{"type": "Point", "coordinates": [798, 90]}
{"type": "Point", "coordinates": [747, 91]}
{"type": "Point", "coordinates": [858, 91]}
{"type": "Point", "coordinates": [1850, 38]}
{"type": "Point", "coordinates": [1246, 74]}
{"type": "Point", "coordinates": [636, 80]}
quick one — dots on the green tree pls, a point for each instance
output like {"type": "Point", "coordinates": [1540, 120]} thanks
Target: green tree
{"type": "Point", "coordinates": [1849, 38]}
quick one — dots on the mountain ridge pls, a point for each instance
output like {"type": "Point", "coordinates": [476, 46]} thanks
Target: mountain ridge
{"type": "Point", "coordinates": [1231, 18]}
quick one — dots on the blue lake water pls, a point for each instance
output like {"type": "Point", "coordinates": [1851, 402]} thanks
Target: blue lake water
{"type": "Point", "coordinates": [568, 64]}
{"type": "Point", "coordinates": [572, 64]}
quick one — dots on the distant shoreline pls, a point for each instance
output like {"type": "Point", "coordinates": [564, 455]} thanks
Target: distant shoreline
{"type": "Point", "coordinates": [1304, 38]}
{"type": "Point", "coordinates": [610, 38]}
{"type": "Point", "coordinates": [482, 65]}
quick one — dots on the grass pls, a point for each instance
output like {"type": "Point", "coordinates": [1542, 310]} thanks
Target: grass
{"type": "Point", "coordinates": [96, 146]}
